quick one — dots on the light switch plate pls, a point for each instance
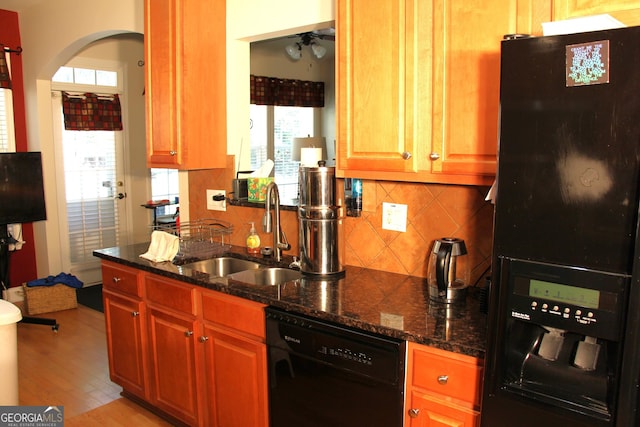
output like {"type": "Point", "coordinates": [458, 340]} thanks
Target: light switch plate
{"type": "Point", "coordinates": [215, 205]}
{"type": "Point", "coordinates": [394, 217]}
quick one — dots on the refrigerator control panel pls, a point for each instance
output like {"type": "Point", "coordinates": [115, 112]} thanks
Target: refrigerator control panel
{"type": "Point", "coordinates": [578, 300]}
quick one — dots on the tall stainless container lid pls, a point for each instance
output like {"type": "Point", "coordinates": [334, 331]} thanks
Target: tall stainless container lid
{"type": "Point", "coordinates": [317, 186]}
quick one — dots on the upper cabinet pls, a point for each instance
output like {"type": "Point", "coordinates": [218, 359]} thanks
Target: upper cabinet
{"type": "Point", "coordinates": [419, 82]}
{"type": "Point", "coordinates": [625, 11]}
{"type": "Point", "coordinates": [185, 84]}
{"type": "Point", "coordinates": [418, 88]}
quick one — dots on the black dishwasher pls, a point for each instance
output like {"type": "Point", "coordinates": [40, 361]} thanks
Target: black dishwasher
{"type": "Point", "coordinates": [322, 374]}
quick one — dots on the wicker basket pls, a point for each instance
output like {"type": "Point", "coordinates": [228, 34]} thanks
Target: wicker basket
{"type": "Point", "coordinates": [45, 299]}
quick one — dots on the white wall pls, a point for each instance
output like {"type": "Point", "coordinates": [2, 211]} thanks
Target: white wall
{"type": "Point", "coordinates": [52, 33]}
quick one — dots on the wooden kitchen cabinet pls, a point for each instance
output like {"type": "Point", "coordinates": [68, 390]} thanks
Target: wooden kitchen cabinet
{"type": "Point", "coordinates": [197, 355]}
{"type": "Point", "coordinates": [443, 388]}
{"type": "Point", "coordinates": [172, 341]}
{"type": "Point", "coordinates": [175, 358]}
{"type": "Point", "coordinates": [236, 354]}
{"type": "Point", "coordinates": [625, 11]}
{"type": "Point", "coordinates": [422, 78]}
{"type": "Point", "coordinates": [237, 380]}
{"type": "Point", "coordinates": [185, 83]}
{"type": "Point", "coordinates": [124, 314]}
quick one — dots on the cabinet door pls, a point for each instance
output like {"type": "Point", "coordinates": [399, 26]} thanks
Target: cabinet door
{"type": "Point", "coordinates": [163, 148]}
{"type": "Point", "coordinates": [126, 343]}
{"type": "Point", "coordinates": [377, 90]}
{"type": "Point", "coordinates": [185, 48]}
{"type": "Point", "coordinates": [626, 11]}
{"type": "Point", "coordinates": [236, 379]}
{"type": "Point", "coordinates": [466, 79]}
{"type": "Point", "coordinates": [429, 411]}
{"type": "Point", "coordinates": [174, 362]}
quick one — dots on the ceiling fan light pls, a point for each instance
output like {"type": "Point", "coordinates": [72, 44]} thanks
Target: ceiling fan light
{"type": "Point", "coordinates": [294, 51]}
{"type": "Point", "coordinates": [318, 51]}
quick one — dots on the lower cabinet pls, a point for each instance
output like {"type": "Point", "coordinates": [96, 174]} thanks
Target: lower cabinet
{"type": "Point", "coordinates": [126, 343]}
{"type": "Point", "coordinates": [174, 365]}
{"type": "Point", "coordinates": [443, 388]}
{"type": "Point", "coordinates": [126, 328]}
{"type": "Point", "coordinates": [194, 354]}
{"type": "Point", "coordinates": [237, 380]}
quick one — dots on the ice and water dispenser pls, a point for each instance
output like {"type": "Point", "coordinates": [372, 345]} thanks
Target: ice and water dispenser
{"type": "Point", "coordinates": [562, 340]}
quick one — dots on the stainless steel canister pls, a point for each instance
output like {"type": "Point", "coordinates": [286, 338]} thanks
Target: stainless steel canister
{"type": "Point", "coordinates": [320, 240]}
{"type": "Point", "coordinates": [317, 186]}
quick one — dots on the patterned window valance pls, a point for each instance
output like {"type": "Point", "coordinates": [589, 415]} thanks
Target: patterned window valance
{"type": "Point", "coordinates": [286, 92]}
{"type": "Point", "coordinates": [91, 112]}
{"type": "Point", "coordinates": [5, 76]}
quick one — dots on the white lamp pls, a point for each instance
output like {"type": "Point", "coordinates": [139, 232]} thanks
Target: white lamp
{"type": "Point", "coordinates": [318, 51]}
{"type": "Point", "coordinates": [294, 51]}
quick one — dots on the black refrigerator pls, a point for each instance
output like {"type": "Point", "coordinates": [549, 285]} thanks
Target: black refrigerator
{"type": "Point", "coordinates": [564, 316]}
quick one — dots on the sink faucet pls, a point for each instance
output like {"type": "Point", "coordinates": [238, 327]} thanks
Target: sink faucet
{"type": "Point", "coordinates": [280, 242]}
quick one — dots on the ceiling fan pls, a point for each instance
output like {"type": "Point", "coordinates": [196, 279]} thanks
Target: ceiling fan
{"type": "Point", "coordinates": [294, 50]}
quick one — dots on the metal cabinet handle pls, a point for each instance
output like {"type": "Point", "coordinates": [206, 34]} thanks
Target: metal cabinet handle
{"type": "Point", "coordinates": [442, 379]}
{"type": "Point", "coordinates": [414, 412]}
{"type": "Point", "coordinates": [203, 339]}
{"type": "Point", "coordinates": [135, 313]}
{"type": "Point", "coordinates": [173, 153]}
{"type": "Point", "coordinates": [115, 279]}
{"type": "Point", "coordinates": [434, 156]}
{"type": "Point", "coordinates": [188, 333]}
{"type": "Point", "coordinates": [406, 155]}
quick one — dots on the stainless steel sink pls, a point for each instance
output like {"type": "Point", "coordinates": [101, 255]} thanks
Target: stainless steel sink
{"type": "Point", "coordinates": [266, 276]}
{"type": "Point", "coordinates": [221, 267]}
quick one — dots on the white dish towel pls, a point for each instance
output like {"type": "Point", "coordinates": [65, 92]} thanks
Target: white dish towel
{"type": "Point", "coordinates": [164, 247]}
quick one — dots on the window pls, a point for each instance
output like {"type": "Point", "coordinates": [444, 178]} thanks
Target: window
{"type": "Point", "coordinates": [164, 186]}
{"type": "Point", "coordinates": [272, 131]}
{"type": "Point", "coordinates": [86, 76]}
{"type": "Point", "coordinates": [7, 133]}
{"type": "Point", "coordinates": [7, 136]}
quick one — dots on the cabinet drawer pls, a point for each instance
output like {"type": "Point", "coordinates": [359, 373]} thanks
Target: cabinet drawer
{"type": "Point", "coordinates": [170, 294]}
{"type": "Point", "coordinates": [448, 374]}
{"type": "Point", "coordinates": [121, 279]}
{"type": "Point", "coordinates": [233, 312]}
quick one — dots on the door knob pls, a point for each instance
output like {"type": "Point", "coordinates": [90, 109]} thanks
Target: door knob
{"type": "Point", "coordinates": [414, 412]}
{"type": "Point", "coordinates": [121, 196]}
{"type": "Point", "coordinates": [203, 338]}
{"type": "Point", "coordinates": [188, 333]}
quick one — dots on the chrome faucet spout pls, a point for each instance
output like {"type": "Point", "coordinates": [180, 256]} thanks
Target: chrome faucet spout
{"type": "Point", "coordinates": [280, 242]}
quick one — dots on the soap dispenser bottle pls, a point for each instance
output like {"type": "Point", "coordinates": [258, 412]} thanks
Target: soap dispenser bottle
{"type": "Point", "coordinates": [253, 240]}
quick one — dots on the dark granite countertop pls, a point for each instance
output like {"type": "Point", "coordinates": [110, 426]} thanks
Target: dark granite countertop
{"type": "Point", "coordinates": [376, 301]}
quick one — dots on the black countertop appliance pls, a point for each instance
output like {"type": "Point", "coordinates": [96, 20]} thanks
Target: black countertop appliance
{"type": "Point", "coordinates": [564, 310]}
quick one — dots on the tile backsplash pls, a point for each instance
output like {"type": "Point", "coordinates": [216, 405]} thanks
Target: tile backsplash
{"type": "Point", "coordinates": [434, 211]}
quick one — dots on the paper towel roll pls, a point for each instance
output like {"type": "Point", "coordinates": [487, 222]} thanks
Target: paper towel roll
{"type": "Point", "coordinates": [309, 157]}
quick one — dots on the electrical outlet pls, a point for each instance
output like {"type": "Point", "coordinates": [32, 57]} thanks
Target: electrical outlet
{"type": "Point", "coordinates": [216, 205]}
{"type": "Point", "coordinates": [394, 217]}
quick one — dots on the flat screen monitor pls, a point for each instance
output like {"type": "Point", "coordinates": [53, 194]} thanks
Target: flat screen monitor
{"type": "Point", "coordinates": [21, 188]}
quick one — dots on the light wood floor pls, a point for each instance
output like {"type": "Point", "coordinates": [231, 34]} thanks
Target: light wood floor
{"type": "Point", "coordinates": [70, 369]}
